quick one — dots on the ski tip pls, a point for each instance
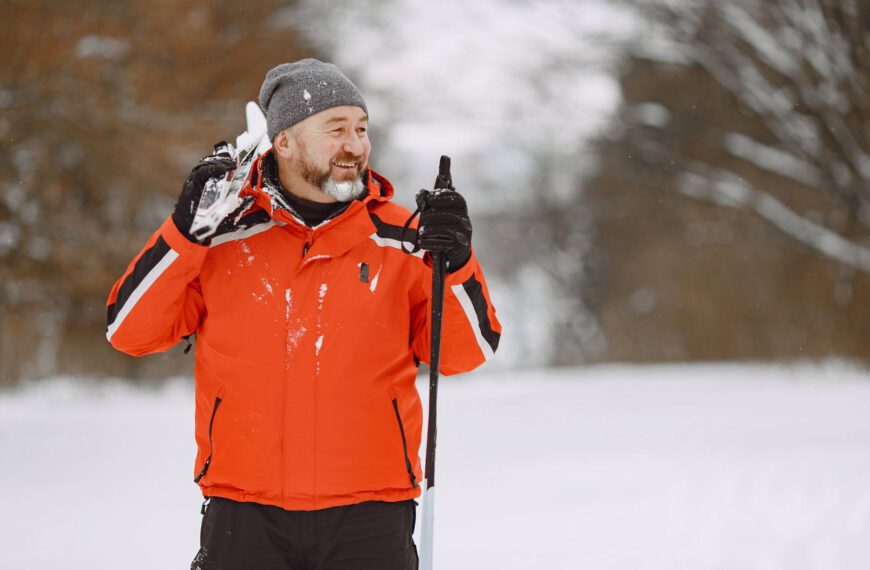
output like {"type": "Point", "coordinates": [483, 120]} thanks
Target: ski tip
{"type": "Point", "coordinates": [255, 137]}
{"type": "Point", "coordinates": [256, 120]}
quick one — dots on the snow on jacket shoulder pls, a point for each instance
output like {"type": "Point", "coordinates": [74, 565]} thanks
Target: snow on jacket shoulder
{"type": "Point", "coordinates": [306, 341]}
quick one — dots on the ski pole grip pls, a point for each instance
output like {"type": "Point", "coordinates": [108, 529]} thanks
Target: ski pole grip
{"type": "Point", "coordinates": [444, 181]}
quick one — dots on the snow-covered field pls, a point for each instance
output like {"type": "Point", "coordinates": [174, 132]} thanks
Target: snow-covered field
{"type": "Point", "coordinates": [672, 467]}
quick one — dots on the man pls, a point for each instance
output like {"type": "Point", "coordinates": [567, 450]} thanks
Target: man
{"type": "Point", "coordinates": [310, 321]}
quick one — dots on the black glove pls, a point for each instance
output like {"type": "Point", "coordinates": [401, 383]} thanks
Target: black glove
{"type": "Point", "coordinates": [213, 166]}
{"type": "Point", "coordinates": [444, 226]}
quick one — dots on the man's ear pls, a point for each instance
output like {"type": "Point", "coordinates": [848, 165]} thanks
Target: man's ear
{"type": "Point", "coordinates": [283, 145]}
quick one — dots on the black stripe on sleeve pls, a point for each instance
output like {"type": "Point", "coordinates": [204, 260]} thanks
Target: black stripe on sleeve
{"type": "Point", "coordinates": [144, 265]}
{"type": "Point", "coordinates": [390, 231]}
{"type": "Point", "coordinates": [475, 292]}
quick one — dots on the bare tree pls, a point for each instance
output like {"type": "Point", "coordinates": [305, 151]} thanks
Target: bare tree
{"type": "Point", "coordinates": [730, 207]}
{"type": "Point", "coordinates": [101, 118]}
{"type": "Point", "coordinates": [800, 72]}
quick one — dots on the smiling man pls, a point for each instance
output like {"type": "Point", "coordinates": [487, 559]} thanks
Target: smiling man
{"type": "Point", "coordinates": [310, 322]}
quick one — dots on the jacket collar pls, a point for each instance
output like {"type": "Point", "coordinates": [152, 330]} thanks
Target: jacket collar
{"type": "Point", "coordinates": [335, 235]}
{"type": "Point", "coordinates": [271, 200]}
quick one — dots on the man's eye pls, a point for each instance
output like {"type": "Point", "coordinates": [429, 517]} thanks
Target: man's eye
{"type": "Point", "coordinates": [362, 130]}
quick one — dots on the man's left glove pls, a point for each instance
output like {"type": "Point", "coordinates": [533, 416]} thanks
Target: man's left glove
{"type": "Point", "coordinates": [444, 227]}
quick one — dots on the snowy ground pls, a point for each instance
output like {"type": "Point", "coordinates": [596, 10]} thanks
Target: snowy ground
{"type": "Point", "coordinates": [683, 467]}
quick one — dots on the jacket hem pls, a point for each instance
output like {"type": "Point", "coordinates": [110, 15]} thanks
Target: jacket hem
{"type": "Point", "coordinates": [301, 503]}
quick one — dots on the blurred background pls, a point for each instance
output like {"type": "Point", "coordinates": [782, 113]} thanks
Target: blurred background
{"type": "Point", "coordinates": [650, 180]}
{"type": "Point", "coordinates": [671, 200]}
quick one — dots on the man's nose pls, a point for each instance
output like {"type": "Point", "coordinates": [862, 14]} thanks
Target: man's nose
{"type": "Point", "coordinates": [353, 144]}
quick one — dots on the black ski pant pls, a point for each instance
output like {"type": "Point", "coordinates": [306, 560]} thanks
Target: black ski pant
{"type": "Point", "coordinates": [248, 536]}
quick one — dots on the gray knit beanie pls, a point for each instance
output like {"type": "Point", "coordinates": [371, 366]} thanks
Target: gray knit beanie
{"type": "Point", "coordinates": [293, 92]}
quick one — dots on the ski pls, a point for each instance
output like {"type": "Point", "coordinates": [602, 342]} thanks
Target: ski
{"type": "Point", "coordinates": [220, 197]}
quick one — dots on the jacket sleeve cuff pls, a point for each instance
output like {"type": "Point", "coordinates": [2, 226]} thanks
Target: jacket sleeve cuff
{"type": "Point", "coordinates": [462, 274]}
{"type": "Point", "coordinates": [176, 240]}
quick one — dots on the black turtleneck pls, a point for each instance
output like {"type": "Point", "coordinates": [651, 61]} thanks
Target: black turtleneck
{"type": "Point", "coordinates": [313, 213]}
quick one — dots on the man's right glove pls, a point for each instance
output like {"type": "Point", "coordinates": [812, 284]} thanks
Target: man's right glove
{"type": "Point", "coordinates": [445, 227]}
{"type": "Point", "coordinates": [214, 166]}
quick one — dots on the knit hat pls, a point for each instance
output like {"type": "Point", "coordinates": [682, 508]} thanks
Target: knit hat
{"type": "Point", "coordinates": [293, 92]}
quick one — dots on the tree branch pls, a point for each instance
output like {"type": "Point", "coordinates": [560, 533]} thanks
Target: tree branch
{"type": "Point", "coordinates": [726, 189]}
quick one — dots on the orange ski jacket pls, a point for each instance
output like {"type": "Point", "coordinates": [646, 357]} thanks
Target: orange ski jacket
{"type": "Point", "coordinates": [306, 347]}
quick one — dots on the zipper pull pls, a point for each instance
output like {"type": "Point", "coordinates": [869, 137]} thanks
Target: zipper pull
{"type": "Point", "coordinates": [309, 237]}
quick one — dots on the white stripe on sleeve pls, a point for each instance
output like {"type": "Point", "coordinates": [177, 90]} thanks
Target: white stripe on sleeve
{"type": "Point", "coordinates": [137, 293]}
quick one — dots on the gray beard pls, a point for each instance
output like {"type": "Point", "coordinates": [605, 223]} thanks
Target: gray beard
{"type": "Point", "coordinates": [343, 191]}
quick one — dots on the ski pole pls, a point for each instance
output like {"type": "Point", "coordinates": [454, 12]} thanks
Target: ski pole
{"type": "Point", "coordinates": [443, 183]}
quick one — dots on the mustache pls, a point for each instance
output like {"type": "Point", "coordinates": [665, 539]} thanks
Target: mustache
{"type": "Point", "coordinates": [348, 158]}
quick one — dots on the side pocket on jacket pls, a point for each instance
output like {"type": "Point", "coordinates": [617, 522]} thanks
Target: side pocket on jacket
{"type": "Point", "coordinates": [404, 444]}
{"type": "Point", "coordinates": [217, 403]}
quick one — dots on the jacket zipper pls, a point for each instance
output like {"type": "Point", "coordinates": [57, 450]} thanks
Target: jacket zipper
{"type": "Point", "coordinates": [404, 445]}
{"type": "Point", "coordinates": [217, 403]}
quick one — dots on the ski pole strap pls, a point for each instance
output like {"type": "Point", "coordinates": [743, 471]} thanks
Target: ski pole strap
{"type": "Point", "coordinates": [415, 242]}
